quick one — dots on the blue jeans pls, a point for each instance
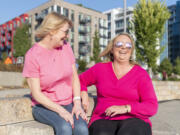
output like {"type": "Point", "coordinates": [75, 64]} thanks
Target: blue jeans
{"type": "Point", "coordinates": [60, 126]}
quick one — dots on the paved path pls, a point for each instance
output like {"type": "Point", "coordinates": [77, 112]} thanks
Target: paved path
{"type": "Point", "coordinates": [167, 120]}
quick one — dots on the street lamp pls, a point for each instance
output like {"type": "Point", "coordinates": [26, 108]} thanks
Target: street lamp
{"type": "Point", "coordinates": [124, 15]}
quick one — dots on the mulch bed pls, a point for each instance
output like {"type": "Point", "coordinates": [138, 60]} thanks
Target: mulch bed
{"type": "Point", "coordinates": [10, 87]}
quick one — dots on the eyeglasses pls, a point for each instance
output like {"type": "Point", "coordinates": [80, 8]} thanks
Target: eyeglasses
{"type": "Point", "coordinates": [119, 44]}
{"type": "Point", "coordinates": [66, 32]}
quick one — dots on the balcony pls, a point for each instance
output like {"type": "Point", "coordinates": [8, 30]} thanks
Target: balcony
{"type": "Point", "coordinates": [83, 20]}
{"type": "Point", "coordinates": [3, 32]}
{"type": "Point", "coordinates": [103, 36]}
{"type": "Point", "coordinates": [1, 47]}
{"type": "Point", "coordinates": [83, 41]}
{"type": "Point", "coordinates": [9, 28]}
{"type": "Point", "coordinates": [39, 17]}
{"type": "Point", "coordinates": [8, 46]}
{"type": "Point", "coordinates": [83, 31]}
{"type": "Point", "coordinates": [8, 37]}
{"type": "Point", "coordinates": [104, 27]}
{"type": "Point", "coordinates": [3, 39]}
{"type": "Point", "coordinates": [84, 49]}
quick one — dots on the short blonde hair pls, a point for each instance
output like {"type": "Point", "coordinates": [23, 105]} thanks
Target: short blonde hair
{"type": "Point", "coordinates": [107, 53]}
{"type": "Point", "coordinates": [52, 22]}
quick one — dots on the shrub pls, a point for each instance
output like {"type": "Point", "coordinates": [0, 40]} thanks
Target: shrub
{"type": "Point", "coordinates": [82, 65]}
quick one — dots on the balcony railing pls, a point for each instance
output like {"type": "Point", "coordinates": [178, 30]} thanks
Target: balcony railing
{"type": "Point", "coordinates": [3, 32]}
{"type": "Point", "coordinates": [83, 31]}
{"type": "Point", "coordinates": [84, 49]}
{"type": "Point", "coordinates": [102, 26]}
{"type": "Point", "coordinates": [84, 20]}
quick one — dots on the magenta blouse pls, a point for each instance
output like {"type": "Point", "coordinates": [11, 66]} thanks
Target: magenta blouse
{"type": "Point", "coordinates": [135, 88]}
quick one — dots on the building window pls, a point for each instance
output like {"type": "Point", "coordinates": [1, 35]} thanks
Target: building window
{"type": "Point", "coordinates": [88, 18]}
{"type": "Point", "coordinates": [109, 35]}
{"type": "Point", "coordinates": [109, 26]}
{"type": "Point", "coordinates": [109, 16]}
{"type": "Point", "coordinates": [51, 9]}
{"type": "Point", "coordinates": [59, 9]}
{"type": "Point", "coordinates": [22, 20]}
{"type": "Point", "coordinates": [14, 24]}
{"type": "Point", "coordinates": [119, 31]}
{"type": "Point", "coordinates": [119, 24]}
{"type": "Point", "coordinates": [66, 12]}
{"type": "Point", "coordinates": [72, 15]}
{"type": "Point", "coordinates": [45, 12]}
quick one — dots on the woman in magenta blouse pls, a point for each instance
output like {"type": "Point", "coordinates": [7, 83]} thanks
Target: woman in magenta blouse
{"type": "Point", "coordinates": [53, 80]}
{"type": "Point", "coordinates": [125, 93]}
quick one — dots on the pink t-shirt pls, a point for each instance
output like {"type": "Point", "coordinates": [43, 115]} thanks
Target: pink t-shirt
{"type": "Point", "coordinates": [54, 69]}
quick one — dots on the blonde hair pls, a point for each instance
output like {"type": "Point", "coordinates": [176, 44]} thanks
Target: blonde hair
{"type": "Point", "coordinates": [108, 54]}
{"type": "Point", "coordinates": [52, 22]}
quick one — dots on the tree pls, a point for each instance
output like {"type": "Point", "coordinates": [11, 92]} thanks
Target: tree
{"type": "Point", "coordinates": [96, 48]}
{"type": "Point", "coordinates": [177, 66]}
{"type": "Point", "coordinates": [82, 65]}
{"type": "Point", "coordinates": [148, 21]}
{"type": "Point", "coordinates": [22, 40]}
{"type": "Point", "coordinates": [166, 66]}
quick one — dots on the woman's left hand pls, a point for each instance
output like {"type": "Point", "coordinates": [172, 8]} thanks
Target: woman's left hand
{"type": "Point", "coordinates": [78, 111]}
{"type": "Point", "coordinates": [115, 110]}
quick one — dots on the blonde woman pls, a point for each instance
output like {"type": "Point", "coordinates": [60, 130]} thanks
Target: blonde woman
{"type": "Point", "coordinates": [53, 80]}
{"type": "Point", "coordinates": [125, 94]}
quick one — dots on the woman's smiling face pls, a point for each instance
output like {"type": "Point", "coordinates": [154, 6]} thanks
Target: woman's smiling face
{"type": "Point", "coordinates": [122, 48]}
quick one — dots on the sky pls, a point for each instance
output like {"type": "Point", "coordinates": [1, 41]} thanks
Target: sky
{"type": "Point", "coordinates": [12, 8]}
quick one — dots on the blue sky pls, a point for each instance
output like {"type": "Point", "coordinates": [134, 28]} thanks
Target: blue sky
{"type": "Point", "coordinates": [12, 8]}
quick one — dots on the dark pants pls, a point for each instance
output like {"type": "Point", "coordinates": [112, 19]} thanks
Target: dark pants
{"type": "Point", "coordinates": [132, 126]}
{"type": "Point", "coordinates": [60, 126]}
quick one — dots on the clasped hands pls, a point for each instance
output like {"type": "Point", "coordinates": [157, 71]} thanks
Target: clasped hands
{"type": "Point", "coordinates": [115, 110]}
{"type": "Point", "coordinates": [77, 111]}
{"type": "Point", "coordinates": [110, 111]}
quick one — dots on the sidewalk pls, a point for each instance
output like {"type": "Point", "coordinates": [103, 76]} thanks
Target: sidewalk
{"type": "Point", "coordinates": [167, 120]}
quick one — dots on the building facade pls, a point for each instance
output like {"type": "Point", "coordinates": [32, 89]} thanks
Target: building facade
{"type": "Point", "coordinates": [164, 43]}
{"type": "Point", "coordinates": [174, 32]}
{"type": "Point", "coordinates": [85, 21]}
{"type": "Point", "coordinates": [7, 31]}
{"type": "Point", "coordinates": [116, 20]}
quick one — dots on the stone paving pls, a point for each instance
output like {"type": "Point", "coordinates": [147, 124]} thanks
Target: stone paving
{"type": "Point", "coordinates": [167, 120]}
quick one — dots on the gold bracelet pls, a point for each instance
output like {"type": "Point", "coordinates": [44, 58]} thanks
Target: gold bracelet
{"type": "Point", "coordinates": [128, 109]}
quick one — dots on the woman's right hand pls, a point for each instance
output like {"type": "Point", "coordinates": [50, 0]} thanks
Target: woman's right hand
{"type": "Point", "coordinates": [67, 116]}
{"type": "Point", "coordinates": [85, 100]}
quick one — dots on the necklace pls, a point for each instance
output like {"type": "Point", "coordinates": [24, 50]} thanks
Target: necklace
{"type": "Point", "coordinates": [119, 74]}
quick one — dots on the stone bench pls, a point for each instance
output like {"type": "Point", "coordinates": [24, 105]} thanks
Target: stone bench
{"type": "Point", "coordinates": [16, 113]}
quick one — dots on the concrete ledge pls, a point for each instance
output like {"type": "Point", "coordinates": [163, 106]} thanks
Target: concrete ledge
{"type": "Point", "coordinates": [19, 109]}
{"type": "Point", "coordinates": [26, 128]}
{"type": "Point", "coordinates": [11, 79]}
{"type": "Point", "coordinates": [10, 93]}
{"type": "Point", "coordinates": [15, 110]}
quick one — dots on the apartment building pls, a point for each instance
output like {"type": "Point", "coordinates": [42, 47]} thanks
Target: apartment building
{"type": "Point", "coordinates": [116, 20]}
{"type": "Point", "coordinates": [86, 21]}
{"type": "Point", "coordinates": [174, 32]}
{"type": "Point", "coordinates": [7, 31]}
